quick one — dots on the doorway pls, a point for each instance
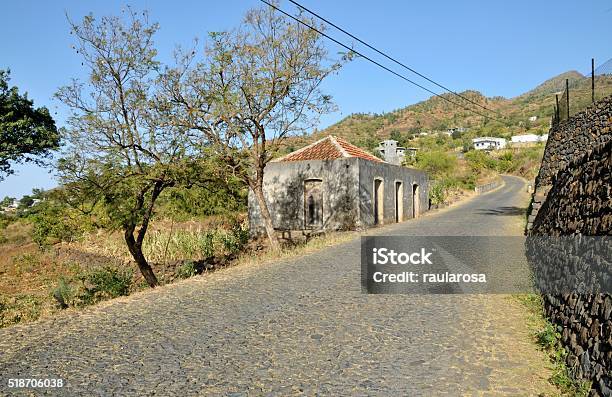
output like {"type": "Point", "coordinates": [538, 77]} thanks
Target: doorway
{"type": "Point", "coordinates": [399, 202]}
{"type": "Point", "coordinates": [378, 201]}
{"type": "Point", "coordinates": [313, 204]}
{"type": "Point", "coordinates": [415, 200]}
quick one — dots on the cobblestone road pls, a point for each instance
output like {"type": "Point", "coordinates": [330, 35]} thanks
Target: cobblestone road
{"type": "Point", "coordinates": [297, 327]}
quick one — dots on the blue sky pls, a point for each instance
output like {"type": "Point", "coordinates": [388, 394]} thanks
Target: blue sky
{"type": "Point", "coordinates": [498, 48]}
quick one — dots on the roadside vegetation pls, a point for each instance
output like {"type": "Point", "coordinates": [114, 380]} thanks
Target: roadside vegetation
{"type": "Point", "coordinates": [548, 338]}
{"type": "Point", "coordinates": [55, 258]}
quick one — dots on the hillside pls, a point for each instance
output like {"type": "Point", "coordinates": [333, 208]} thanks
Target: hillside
{"type": "Point", "coordinates": [554, 84]}
{"type": "Point", "coordinates": [436, 115]}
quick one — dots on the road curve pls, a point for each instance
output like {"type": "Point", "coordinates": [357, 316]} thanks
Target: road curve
{"type": "Point", "coordinates": [296, 327]}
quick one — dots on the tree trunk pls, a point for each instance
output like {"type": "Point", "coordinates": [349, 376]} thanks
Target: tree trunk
{"type": "Point", "coordinates": [135, 244]}
{"type": "Point", "coordinates": [267, 218]}
{"type": "Point", "coordinates": [143, 265]}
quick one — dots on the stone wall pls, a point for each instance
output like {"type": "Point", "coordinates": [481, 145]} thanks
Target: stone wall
{"type": "Point", "coordinates": [487, 187]}
{"type": "Point", "coordinates": [578, 201]}
{"type": "Point", "coordinates": [573, 197]}
{"type": "Point", "coordinates": [568, 142]}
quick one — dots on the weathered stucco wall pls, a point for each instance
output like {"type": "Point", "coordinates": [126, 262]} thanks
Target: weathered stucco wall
{"type": "Point", "coordinates": [369, 171]}
{"type": "Point", "coordinates": [574, 188]}
{"type": "Point", "coordinates": [284, 192]}
{"type": "Point", "coordinates": [348, 186]}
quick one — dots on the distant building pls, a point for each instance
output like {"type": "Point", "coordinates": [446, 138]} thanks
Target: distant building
{"type": "Point", "coordinates": [527, 139]}
{"type": "Point", "coordinates": [451, 131]}
{"type": "Point", "coordinates": [411, 151]}
{"type": "Point", "coordinates": [533, 118]}
{"type": "Point", "coordinates": [489, 143]}
{"type": "Point", "coordinates": [392, 153]}
{"type": "Point", "coordinates": [11, 207]}
{"type": "Point", "coordinates": [332, 184]}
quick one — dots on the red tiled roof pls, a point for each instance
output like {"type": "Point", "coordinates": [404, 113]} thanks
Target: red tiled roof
{"type": "Point", "coordinates": [328, 148]}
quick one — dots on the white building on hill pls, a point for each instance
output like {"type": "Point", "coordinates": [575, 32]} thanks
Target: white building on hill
{"type": "Point", "coordinates": [528, 138]}
{"type": "Point", "coordinates": [489, 143]}
{"type": "Point", "coordinates": [391, 152]}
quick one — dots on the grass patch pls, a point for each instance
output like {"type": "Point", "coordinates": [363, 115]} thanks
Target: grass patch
{"type": "Point", "coordinates": [548, 338]}
{"type": "Point", "coordinates": [19, 308]}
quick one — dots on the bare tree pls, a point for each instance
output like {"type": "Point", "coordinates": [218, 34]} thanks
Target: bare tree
{"type": "Point", "coordinates": [255, 87]}
{"type": "Point", "coordinates": [121, 151]}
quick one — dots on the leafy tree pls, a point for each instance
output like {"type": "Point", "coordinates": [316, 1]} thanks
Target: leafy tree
{"type": "Point", "coordinates": [122, 152]}
{"type": "Point", "coordinates": [436, 163]}
{"type": "Point", "coordinates": [26, 201]}
{"type": "Point", "coordinates": [399, 137]}
{"type": "Point", "coordinates": [256, 86]}
{"type": "Point", "coordinates": [26, 133]}
{"type": "Point", "coordinates": [6, 201]}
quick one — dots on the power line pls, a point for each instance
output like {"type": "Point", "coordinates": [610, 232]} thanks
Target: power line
{"type": "Point", "coordinates": [391, 58]}
{"type": "Point", "coordinates": [377, 63]}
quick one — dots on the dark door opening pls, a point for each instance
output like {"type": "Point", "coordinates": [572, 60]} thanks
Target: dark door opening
{"type": "Point", "coordinates": [313, 204]}
{"type": "Point", "coordinates": [378, 202]}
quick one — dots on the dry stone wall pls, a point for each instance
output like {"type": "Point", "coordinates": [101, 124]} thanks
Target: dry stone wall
{"type": "Point", "coordinates": [573, 197]}
{"type": "Point", "coordinates": [568, 142]}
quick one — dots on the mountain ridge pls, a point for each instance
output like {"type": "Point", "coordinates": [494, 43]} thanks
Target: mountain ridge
{"type": "Point", "coordinates": [437, 115]}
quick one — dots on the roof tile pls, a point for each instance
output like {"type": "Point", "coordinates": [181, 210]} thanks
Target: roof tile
{"type": "Point", "coordinates": [328, 148]}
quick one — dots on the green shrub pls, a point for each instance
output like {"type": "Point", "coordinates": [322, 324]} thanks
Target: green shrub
{"type": "Point", "coordinates": [441, 188]}
{"type": "Point", "coordinates": [111, 281]}
{"type": "Point", "coordinates": [87, 288]}
{"type": "Point", "coordinates": [236, 239]}
{"type": "Point", "coordinates": [4, 221]}
{"type": "Point", "coordinates": [479, 160]}
{"type": "Point", "coordinates": [53, 222]}
{"type": "Point", "coordinates": [437, 193]}
{"type": "Point", "coordinates": [186, 270]}
{"type": "Point", "coordinates": [64, 293]}
{"type": "Point", "coordinates": [436, 163]}
{"type": "Point", "coordinates": [548, 337]}
{"type": "Point", "coordinates": [216, 199]}
{"type": "Point", "coordinates": [26, 262]}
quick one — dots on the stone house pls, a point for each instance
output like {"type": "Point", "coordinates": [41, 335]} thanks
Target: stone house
{"type": "Point", "coordinates": [334, 185]}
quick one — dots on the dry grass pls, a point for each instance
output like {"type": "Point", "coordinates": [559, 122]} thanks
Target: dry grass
{"type": "Point", "coordinates": [28, 275]}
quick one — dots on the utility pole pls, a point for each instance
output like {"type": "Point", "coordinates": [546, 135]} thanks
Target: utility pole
{"type": "Point", "coordinates": [557, 107]}
{"type": "Point", "coordinates": [593, 80]}
{"type": "Point", "coordinates": [567, 96]}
